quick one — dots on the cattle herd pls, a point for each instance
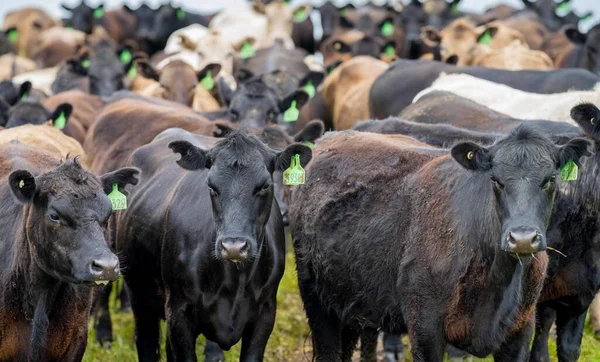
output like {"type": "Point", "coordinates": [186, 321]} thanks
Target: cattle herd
{"type": "Point", "coordinates": [454, 198]}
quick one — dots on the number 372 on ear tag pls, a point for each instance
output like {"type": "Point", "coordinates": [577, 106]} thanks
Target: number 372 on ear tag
{"type": "Point", "coordinates": [295, 174]}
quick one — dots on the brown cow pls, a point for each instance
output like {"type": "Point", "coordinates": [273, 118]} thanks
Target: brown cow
{"type": "Point", "coordinates": [55, 45]}
{"type": "Point", "coordinates": [516, 56]}
{"type": "Point", "coordinates": [177, 81]}
{"type": "Point", "coordinates": [534, 32]}
{"type": "Point", "coordinates": [346, 90]}
{"type": "Point", "coordinates": [11, 65]}
{"type": "Point", "coordinates": [45, 137]}
{"type": "Point", "coordinates": [344, 45]}
{"type": "Point", "coordinates": [29, 22]}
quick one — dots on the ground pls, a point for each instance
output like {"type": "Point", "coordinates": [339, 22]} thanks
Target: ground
{"type": "Point", "coordinates": [289, 342]}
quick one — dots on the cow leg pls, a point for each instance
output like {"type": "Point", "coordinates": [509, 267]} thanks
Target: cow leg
{"type": "Point", "coordinates": [368, 345]}
{"type": "Point", "coordinates": [180, 331]}
{"type": "Point", "coordinates": [544, 318]}
{"type": "Point", "coordinates": [256, 335]}
{"type": "Point", "coordinates": [125, 305]}
{"type": "Point", "coordinates": [213, 353]}
{"type": "Point", "coordinates": [103, 323]}
{"type": "Point", "coordinates": [349, 340]}
{"type": "Point", "coordinates": [570, 331]}
{"type": "Point", "coordinates": [595, 314]}
{"type": "Point", "coordinates": [147, 327]}
{"type": "Point", "coordinates": [427, 343]}
{"type": "Point", "coordinates": [393, 348]}
{"type": "Point", "coordinates": [516, 347]}
{"type": "Point", "coordinates": [455, 354]}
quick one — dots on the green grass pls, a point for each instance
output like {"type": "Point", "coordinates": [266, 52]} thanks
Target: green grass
{"type": "Point", "coordinates": [289, 342]}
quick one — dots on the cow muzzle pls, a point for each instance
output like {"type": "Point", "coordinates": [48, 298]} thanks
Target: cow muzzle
{"type": "Point", "coordinates": [524, 240]}
{"type": "Point", "coordinates": [234, 249]}
{"type": "Point", "coordinates": [104, 268]}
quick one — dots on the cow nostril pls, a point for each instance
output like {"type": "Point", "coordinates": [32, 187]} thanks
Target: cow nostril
{"type": "Point", "coordinates": [107, 264]}
{"type": "Point", "coordinates": [235, 249]}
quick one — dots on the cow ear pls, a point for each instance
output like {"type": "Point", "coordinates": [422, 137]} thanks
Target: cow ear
{"type": "Point", "coordinates": [187, 43]}
{"type": "Point", "coordinates": [346, 23]}
{"type": "Point", "coordinates": [23, 186]}
{"type": "Point", "coordinates": [300, 96]}
{"type": "Point", "coordinates": [488, 32]}
{"type": "Point", "coordinates": [222, 129]}
{"type": "Point", "coordinates": [66, 7]}
{"type": "Point", "coordinates": [430, 36]}
{"type": "Point", "coordinates": [453, 59]}
{"type": "Point", "coordinates": [528, 3]}
{"type": "Point", "coordinates": [574, 150]}
{"type": "Point", "coordinates": [284, 158]}
{"type": "Point", "coordinates": [311, 132]}
{"type": "Point", "coordinates": [315, 79]}
{"type": "Point", "coordinates": [25, 90]}
{"type": "Point", "coordinates": [587, 116]}
{"type": "Point", "coordinates": [472, 156]}
{"type": "Point", "coordinates": [79, 66]}
{"type": "Point", "coordinates": [259, 7]}
{"type": "Point", "coordinates": [331, 66]}
{"type": "Point", "coordinates": [243, 75]}
{"type": "Point", "coordinates": [575, 36]}
{"type": "Point", "coordinates": [213, 68]}
{"type": "Point", "coordinates": [127, 8]}
{"type": "Point", "coordinates": [63, 110]}
{"type": "Point", "coordinates": [122, 177]}
{"type": "Point", "coordinates": [192, 157]}
{"type": "Point", "coordinates": [225, 92]}
{"type": "Point", "coordinates": [146, 69]}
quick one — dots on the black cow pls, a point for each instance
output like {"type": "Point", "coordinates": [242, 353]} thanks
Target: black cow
{"type": "Point", "coordinates": [31, 112]}
{"type": "Point", "coordinates": [168, 19]}
{"type": "Point", "coordinates": [255, 104]}
{"type": "Point", "coordinates": [584, 52]}
{"type": "Point", "coordinates": [398, 86]}
{"type": "Point", "coordinates": [551, 14]}
{"type": "Point", "coordinates": [451, 254]}
{"type": "Point", "coordinates": [52, 250]}
{"type": "Point", "coordinates": [213, 273]}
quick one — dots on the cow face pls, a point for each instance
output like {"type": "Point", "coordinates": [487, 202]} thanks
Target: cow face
{"type": "Point", "coordinates": [254, 105]}
{"type": "Point", "coordinates": [144, 16]}
{"type": "Point", "coordinates": [413, 17]}
{"type": "Point", "coordinates": [67, 218]}
{"type": "Point", "coordinates": [522, 170]}
{"type": "Point", "coordinates": [165, 23]}
{"type": "Point", "coordinates": [83, 16]}
{"type": "Point", "coordinates": [29, 112]}
{"type": "Point", "coordinates": [240, 182]}
{"type": "Point", "coordinates": [589, 45]}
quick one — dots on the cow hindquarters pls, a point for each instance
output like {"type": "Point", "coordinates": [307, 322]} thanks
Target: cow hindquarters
{"type": "Point", "coordinates": [569, 329]}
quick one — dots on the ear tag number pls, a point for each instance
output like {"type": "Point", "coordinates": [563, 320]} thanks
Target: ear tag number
{"type": "Point", "coordinates": [247, 50]}
{"type": "Point", "coordinates": [310, 89]}
{"type": "Point", "coordinates": [12, 35]}
{"type": "Point", "coordinates": [208, 82]}
{"type": "Point", "coordinates": [569, 171]}
{"type": "Point", "coordinates": [387, 29]}
{"type": "Point", "coordinates": [292, 113]}
{"type": "Point", "coordinates": [99, 12]}
{"type": "Point", "coordinates": [132, 72]}
{"type": "Point", "coordinates": [61, 121]}
{"type": "Point", "coordinates": [486, 38]}
{"type": "Point", "coordinates": [295, 174]}
{"type": "Point", "coordinates": [117, 199]}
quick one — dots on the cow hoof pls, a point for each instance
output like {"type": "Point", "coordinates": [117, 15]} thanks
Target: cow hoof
{"type": "Point", "coordinates": [393, 357]}
{"type": "Point", "coordinates": [215, 357]}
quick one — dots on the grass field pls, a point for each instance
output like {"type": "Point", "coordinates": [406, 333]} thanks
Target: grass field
{"type": "Point", "coordinates": [289, 342]}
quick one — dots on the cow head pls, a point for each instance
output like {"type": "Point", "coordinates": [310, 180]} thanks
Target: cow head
{"type": "Point", "coordinates": [83, 17]}
{"type": "Point", "coordinates": [240, 182]}
{"type": "Point", "coordinates": [144, 16]}
{"type": "Point", "coordinates": [589, 47]}
{"type": "Point", "coordinates": [551, 13]}
{"type": "Point", "coordinates": [413, 17]}
{"type": "Point", "coordinates": [522, 171]}
{"type": "Point", "coordinates": [166, 20]}
{"type": "Point", "coordinates": [254, 104]}
{"type": "Point", "coordinates": [67, 218]}
{"type": "Point", "coordinates": [32, 112]}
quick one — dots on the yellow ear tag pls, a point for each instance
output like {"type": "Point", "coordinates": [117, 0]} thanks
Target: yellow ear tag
{"type": "Point", "coordinates": [292, 113]}
{"type": "Point", "coordinates": [208, 82]}
{"type": "Point", "coordinates": [247, 50]}
{"type": "Point", "coordinates": [387, 29]}
{"type": "Point", "coordinates": [569, 171]}
{"type": "Point", "coordinates": [61, 121]}
{"type": "Point", "coordinates": [117, 199]}
{"type": "Point", "coordinates": [295, 174]}
{"type": "Point", "coordinates": [21, 184]}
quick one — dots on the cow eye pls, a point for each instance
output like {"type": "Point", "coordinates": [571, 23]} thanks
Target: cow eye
{"type": "Point", "coordinates": [262, 189]}
{"type": "Point", "coordinates": [213, 190]}
{"type": "Point", "coordinates": [497, 182]}
{"type": "Point", "coordinates": [54, 217]}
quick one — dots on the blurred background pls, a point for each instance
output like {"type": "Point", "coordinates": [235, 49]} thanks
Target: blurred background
{"type": "Point", "coordinates": [208, 6]}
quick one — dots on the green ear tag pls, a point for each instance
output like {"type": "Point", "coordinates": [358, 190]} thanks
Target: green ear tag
{"type": "Point", "coordinates": [295, 174]}
{"type": "Point", "coordinates": [208, 82]}
{"type": "Point", "coordinates": [117, 199]}
{"type": "Point", "coordinates": [310, 89]}
{"type": "Point", "coordinates": [309, 144]}
{"type": "Point", "coordinates": [292, 113]}
{"type": "Point", "coordinates": [454, 9]}
{"type": "Point", "coordinates": [61, 121]}
{"type": "Point", "coordinates": [132, 72]}
{"type": "Point", "coordinates": [486, 38]}
{"type": "Point", "coordinates": [562, 9]}
{"type": "Point", "coordinates": [387, 29]}
{"type": "Point", "coordinates": [247, 50]}
{"type": "Point", "coordinates": [569, 171]}
{"type": "Point", "coordinates": [125, 56]}
{"type": "Point", "coordinates": [12, 35]}
{"type": "Point", "coordinates": [389, 50]}
{"type": "Point", "coordinates": [24, 96]}
{"type": "Point", "coordinates": [299, 15]}
{"type": "Point", "coordinates": [180, 14]}
{"type": "Point", "coordinates": [99, 12]}
{"type": "Point", "coordinates": [86, 63]}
